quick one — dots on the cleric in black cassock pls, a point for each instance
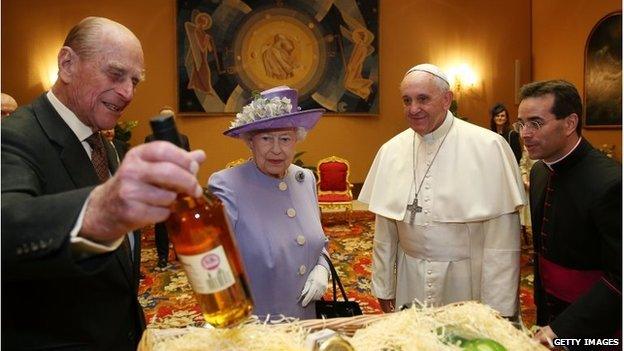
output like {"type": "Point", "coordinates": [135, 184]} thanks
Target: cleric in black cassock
{"type": "Point", "coordinates": [576, 210]}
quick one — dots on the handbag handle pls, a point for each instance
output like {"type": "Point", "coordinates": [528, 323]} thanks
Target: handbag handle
{"type": "Point", "coordinates": [335, 278]}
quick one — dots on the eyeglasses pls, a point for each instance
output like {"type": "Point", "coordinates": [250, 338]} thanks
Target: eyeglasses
{"type": "Point", "coordinates": [531, 126]}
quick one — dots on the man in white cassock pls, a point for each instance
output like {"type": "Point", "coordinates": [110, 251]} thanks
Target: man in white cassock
{"type": "Point", "coordinates": [446, 195]}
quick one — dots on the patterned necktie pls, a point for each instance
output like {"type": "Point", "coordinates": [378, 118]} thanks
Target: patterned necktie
{"type": "Point", "coordinates": [100, 163]}
{"type": "Point", "coordinates": [98, 156]}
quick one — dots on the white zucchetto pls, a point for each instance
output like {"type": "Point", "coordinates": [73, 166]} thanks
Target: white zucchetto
{"type": "Point", "coordinates": [431, 69]}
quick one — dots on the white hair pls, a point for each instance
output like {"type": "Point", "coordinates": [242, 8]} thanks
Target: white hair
{"type": "Point", "coordinates": [301, 133]}
{"type": "Point", "coordinates": [442, 84]}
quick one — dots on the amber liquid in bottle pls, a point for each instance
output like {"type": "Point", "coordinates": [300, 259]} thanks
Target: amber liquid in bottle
{"type": "Point", "coordinates": [203, 240]}
{"type": "Point", "coordinates": [201, 237]}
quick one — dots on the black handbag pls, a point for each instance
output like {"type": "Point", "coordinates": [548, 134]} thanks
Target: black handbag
{"type": "Point", "coordinates": [335, 308]}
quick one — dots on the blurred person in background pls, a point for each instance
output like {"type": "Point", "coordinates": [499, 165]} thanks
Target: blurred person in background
{"type": "Point", "coordinates": [499, 123]}
{"type": "Point", "coordinates": [8, 105]}
{"type": "Point", "coordinates": [161, 237]}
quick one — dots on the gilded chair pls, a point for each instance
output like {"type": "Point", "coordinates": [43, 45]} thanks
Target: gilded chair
{"type": "Point", "coordinates": [236, 162]}
{"type": "Point", "coordinates": [334, 188]}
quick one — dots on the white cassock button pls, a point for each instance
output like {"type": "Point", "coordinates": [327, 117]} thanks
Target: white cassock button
{"type": "Point", "coordinates": [426, 199]}
{"type": "Point", "coordinates": [283, 186]}
{"type": "Point", "coordinates": [429, 271]}
{"type": "Point", "coordinates": [301, 240]}
{"type": "Point", "coordinates": [291, 212]}
{"type": "Point", "coordinates": [302, 269]}
{"type": "Point", "coordinates": [429, 285]}
{"type": "Point", "coordinates": [426, 211]}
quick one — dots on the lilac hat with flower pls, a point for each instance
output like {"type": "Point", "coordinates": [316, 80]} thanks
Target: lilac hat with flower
{"type": "Point", "coordinates": [275, 108]}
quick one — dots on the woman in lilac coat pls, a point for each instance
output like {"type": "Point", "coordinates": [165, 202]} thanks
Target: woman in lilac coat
{"type": "Point", "coordinates": [273, 209]}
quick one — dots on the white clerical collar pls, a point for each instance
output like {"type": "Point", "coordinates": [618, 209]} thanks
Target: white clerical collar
{"type": "Point", "coordinates": [81, 130]}
{"type": "Point", "coordinates": [549, 164]}
{"type": "Point", "coordinates": [440, 132]}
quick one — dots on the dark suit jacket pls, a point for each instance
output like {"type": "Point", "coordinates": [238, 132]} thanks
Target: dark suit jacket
{"type": "Point", "coordinates": [585, 233]}
{"type": "Point", "coordinates": [183, 138]}
{"type": "Point", "coordinates": [513, 138]}
{"type": "Point", "coordinates": [50, 298]}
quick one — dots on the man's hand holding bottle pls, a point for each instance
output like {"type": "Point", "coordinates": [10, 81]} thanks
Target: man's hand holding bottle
{"type": "Point", "coordinates": [140, 193]}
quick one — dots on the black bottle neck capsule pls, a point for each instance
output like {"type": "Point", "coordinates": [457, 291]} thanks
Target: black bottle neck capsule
{"type": "Point", "coordinates": [164, 128]}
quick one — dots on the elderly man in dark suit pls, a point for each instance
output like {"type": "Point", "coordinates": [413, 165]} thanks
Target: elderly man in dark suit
{"type": "Point", "coordinates": [69, 276]}
{"type": "Point", "coordinates": [160, 231]}
{"type": "Point", "coordinates": [576, 210]}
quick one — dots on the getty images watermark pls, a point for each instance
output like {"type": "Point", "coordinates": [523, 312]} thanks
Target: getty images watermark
{"type": "Point", "coordinates": [586, 342]}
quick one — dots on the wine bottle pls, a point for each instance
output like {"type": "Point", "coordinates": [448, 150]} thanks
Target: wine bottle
{"type": "Point", "coordinates": [205, 245]}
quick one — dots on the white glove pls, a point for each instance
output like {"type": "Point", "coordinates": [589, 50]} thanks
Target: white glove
{"type": "Point", "coordinates": [315, 286]}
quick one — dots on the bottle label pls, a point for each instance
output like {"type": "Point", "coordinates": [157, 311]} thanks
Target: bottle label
{"type": "Point", "coordinates": [208, 272]}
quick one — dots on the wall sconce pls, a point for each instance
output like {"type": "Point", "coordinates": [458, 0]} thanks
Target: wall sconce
{"type": "Point", "coordinates": [45, 63]}
{"type": "Point", "coordinates": [462, 78]}
{"type": "Point", "coordinates": [48, 75]}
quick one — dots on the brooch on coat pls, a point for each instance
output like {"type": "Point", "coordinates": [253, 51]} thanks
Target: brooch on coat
{"type": "Point", "coordinates": [300, 176]}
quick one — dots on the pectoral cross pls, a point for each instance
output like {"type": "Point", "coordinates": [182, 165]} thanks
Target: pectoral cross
{"type": "Point", "coordinates": [413, 208]}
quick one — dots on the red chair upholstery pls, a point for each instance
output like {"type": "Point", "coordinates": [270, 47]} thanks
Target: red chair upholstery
{"type": "Point", "coordinates": [334, 188]}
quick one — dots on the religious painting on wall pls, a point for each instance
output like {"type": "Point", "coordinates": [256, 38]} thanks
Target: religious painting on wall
{"type": "Point", "coordinates": [327, 50]}
{"type": "Point", "coordinates": [603, 74]}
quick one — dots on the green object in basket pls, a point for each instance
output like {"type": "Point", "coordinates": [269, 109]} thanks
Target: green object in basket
{"type": "Point", "coordinates": [482, 345]}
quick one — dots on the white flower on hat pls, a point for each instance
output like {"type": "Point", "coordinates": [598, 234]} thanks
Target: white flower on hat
{"type": "Point", "coordinates": [262, 108]}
